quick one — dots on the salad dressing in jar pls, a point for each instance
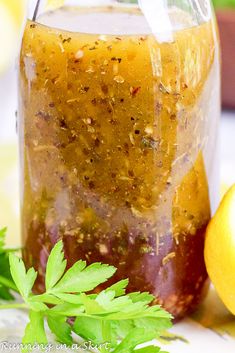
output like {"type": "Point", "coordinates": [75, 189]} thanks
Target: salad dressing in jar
{"type": "Point", "coordinates": [118, 133]}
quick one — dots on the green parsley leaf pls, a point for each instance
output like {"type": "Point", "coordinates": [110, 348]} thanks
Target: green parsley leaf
{"type": "Point", "coordinates": [56, 265]}
{"type": "Point", "coordinates": [36, 306]}
{"type": "Point", "coordinates": [23, 280]}
{"type": "Point", "coordinates": [136, 337]}
{"type": "Point", "coordinates": [89, 328]}
{"type": "Point", "coordinates": [80, 278]}
{"type": "Point", "coordinates": [5, 293]}
{"type": "Point", "coordinates": [152, 323]}
{"type": "Point", "coordinates": [109, 303]}
{"type": "Point", "coordinates": [45, 298]}
{"type": "Point", "coordinates": [67, 309]}
{"type": "Point", "coordinates": [61, 329]}
{"type": "Point", "coordinates": [91, 306]}
{"type": "Point", "coordinates": [35, 331]}
{"type": "Point", "coordinates": [142, 297]}
{"type": "Point", "coordinates": [6, 282]}
{"type": "Point", "coordinates": [123, 327]}
{"type": "Point", "coordinates": [69, 298]}
{"type": "Point", "coordinates": [119, 288]}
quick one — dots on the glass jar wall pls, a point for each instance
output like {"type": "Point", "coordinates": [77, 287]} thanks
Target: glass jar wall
{"type": "Point", "coordinates": [118, 131]}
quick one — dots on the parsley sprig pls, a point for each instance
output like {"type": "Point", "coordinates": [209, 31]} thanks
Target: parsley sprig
{"type": "Point", "coordinates": [125, 321]}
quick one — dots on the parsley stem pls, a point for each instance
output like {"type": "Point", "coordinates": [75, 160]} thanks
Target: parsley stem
{"type": "Point", "coordinates": [13, 306]}
{"type": "Point", "coordinates": [9, 284]}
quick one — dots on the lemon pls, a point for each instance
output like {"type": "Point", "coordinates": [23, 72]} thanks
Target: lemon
{"type": "Point", "coordinates": [12, 14]}
{"type": "Point", "coordinates": [220, 250]}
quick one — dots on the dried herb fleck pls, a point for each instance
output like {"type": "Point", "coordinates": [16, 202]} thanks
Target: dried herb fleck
{"type": "Point", "coordinates": [149, 142]}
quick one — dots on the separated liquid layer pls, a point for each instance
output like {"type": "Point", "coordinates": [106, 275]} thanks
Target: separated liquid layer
{"type": "Point", "coordinates": [118, 140]}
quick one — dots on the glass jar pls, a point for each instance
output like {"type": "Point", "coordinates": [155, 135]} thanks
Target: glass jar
{"type": "Point", "coordinates": [119, 107]}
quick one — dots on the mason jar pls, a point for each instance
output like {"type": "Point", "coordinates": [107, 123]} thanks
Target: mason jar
{"type": "Point", "coordinates": [119, 105]}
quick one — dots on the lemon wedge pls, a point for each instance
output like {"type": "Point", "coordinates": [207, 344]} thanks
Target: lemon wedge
{"type": "Point", "coordinates": [220, 250]}
{"type": "Point", "coordinates": [12, 14]}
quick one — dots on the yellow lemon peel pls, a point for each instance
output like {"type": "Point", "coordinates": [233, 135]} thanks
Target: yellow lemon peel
{"type": "Point", "coordinates": [220, 250]}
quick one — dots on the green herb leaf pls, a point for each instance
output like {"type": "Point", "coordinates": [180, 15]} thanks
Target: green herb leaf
{"type": "Point", "coordinates": [55, 266]}
{"type": "Point", "coordinates": [89, 328]}
{"type": "Point", "coordinates": [119, 288]}
{"type": "Point", "coordinates": [111, 304]}
{"type": "Point", "coordinates": [23, 280]}
{"type": "Point", "coordinates": [61, 329]}
{"type": "Point", "coordinates": [6, 282]}
{"type": "Point", "coordinates": [141, 297]}
{"type": "Point", "coordinates": [36, 306]}
{"type": "Point", "coordinates": [5, 293]}
{"type": "Point", "coordinates": [80, 278]}
{"type": "Point", "coordinates": [133, 339]}
{"type": "Point", "coordinates": [123, 327]}
{"type": "Point", "coordinates": [152, 323]}
{"type": "Point", "coordinates": [67, 309]}
{"type": "Point", "coordinates": [45, 298]}
{"type": "Point", "coordinates": [91, 306]}
{"type": "Point", "coordinates": [69, 298]}
{"type": "Point", "coordinates": [35, 331]}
